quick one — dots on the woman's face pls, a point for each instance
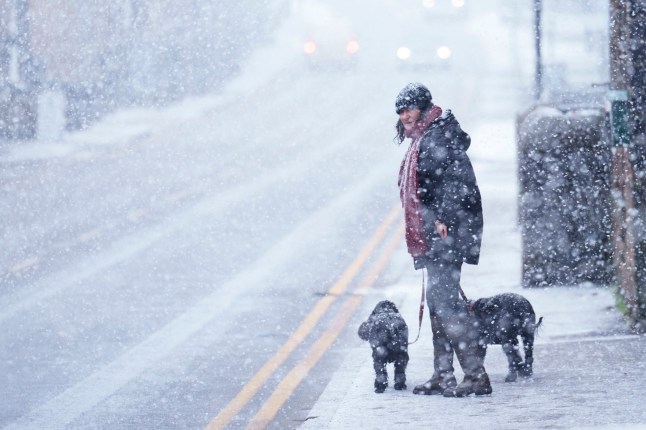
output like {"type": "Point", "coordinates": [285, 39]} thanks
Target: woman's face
{"type": "Point", "coordinates": [409, 117]}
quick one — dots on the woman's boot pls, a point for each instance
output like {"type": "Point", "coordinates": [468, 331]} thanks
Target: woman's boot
{"type": "Point", "coordinates": [438, 384]}
{"type": "Point", "coordinates": [478, 385]}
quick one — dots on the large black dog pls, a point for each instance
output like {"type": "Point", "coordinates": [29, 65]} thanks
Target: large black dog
{"type": "Point", "coordinates": [387, 333]}
{"type": "Point", "coordinates": [503, 318]}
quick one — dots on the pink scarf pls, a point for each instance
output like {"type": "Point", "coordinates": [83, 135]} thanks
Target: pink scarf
{"type": "Point", "coordinates": [409, 186]}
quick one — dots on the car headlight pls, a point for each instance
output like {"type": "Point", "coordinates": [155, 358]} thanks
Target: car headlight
{"type": "Point", "coordinates": [444, 52]}
{"type": "Point", "coordinates": [403, 53]}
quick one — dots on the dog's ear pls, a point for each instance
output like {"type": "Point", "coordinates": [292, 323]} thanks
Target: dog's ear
{"type": "Point", "coordinates": [364, 330]}
{"type": "Point", "coordinates": [378, 309]}
{"type": "Point", "coordinates": [392, 306]}
{"type": "Point", "coordinates": [477, 306]}
{"type": "Point", "coordinates": [384, 306]}
{"type": "Point", "coordinates": [483, 307]}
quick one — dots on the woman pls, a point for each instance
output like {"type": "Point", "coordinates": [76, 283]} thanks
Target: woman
{"type": "Point", "coordinates": [443, 215]}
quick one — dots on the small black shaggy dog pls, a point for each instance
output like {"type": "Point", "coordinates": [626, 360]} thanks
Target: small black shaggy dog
{"type": "Point", "coordinates": [387, 333]}
{"type": "Point", "coordinates": [503, 318]}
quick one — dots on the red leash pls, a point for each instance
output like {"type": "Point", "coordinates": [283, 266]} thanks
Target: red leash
{"type": "Point", "coordinates": [421, 309]}
{"type": "Point", "coordinates": [469, 302]}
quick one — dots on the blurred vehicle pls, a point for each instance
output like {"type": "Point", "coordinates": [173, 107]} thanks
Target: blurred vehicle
{"type": "Point", "coordinates": [329, 41]}
{"type": "Point", "coordinates": [423, 55]}
{"type": "Point", "coordinates": [445, 9]}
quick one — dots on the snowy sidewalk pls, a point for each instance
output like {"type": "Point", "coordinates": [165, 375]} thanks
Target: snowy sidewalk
{"type": "Point", "coordinates": [588, 370]}
{"type": "Point", "coordinates": [584, 378]}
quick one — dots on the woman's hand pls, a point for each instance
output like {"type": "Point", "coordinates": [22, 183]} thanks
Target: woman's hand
{"type": "Point", "coordinates": [442, 230]}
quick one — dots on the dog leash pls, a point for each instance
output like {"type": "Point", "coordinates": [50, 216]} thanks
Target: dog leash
{"type": "Point", "coordinates": [423, 300]}
{"type": "Point", "coordinates": [464, 297]}
{"type": "Point", "coordinates": [421, 309]}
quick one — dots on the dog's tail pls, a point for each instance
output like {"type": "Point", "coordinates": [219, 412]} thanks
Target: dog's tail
{"type": "Point", "coordinates": [530, 325]}
{"type": "Point", "coordinates": [537, 325]}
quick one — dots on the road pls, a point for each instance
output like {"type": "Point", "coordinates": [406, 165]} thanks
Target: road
{"type": "Point", "coordinates": [152, 267]}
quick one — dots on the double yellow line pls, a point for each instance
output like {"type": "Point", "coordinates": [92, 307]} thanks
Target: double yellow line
{"type": "Point", "coordinates": [291, 381]}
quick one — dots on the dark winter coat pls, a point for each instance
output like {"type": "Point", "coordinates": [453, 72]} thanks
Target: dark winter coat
{"type": "Point", "coordinates": [448, 192]}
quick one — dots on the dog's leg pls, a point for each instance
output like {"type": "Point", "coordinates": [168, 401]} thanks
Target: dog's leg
{"type": "Point", "coordinates": [381, 378]}
{"type": "Point", "coordinates": [400, 370]}
{"type": "Point", "coordinates": [510, 347]}
{"type": "Point", "coordinates": [528, 345]}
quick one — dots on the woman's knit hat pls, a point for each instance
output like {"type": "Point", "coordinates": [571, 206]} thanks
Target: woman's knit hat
{"type": "Point", "coordinates": [414, 95]}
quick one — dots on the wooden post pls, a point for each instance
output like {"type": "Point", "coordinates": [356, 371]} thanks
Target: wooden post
{"type": "Point", "coordinates": [622, 176]}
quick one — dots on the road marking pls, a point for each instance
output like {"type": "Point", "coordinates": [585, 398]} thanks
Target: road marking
{"type": "Point", "coordinates": [609, 338]}
{"type": "Point", "coordinates": [136, 214]}
{"type": "Point", "coordinates": [186, 192]}
{"type": "Point", "coordinates": [89, 235]}
{"type": "Point", "coordinates": [257, 381]}
{"type": "Point", "coordinates": [293, 379]}
{"type": "Point", "coordinates": [24, 264]}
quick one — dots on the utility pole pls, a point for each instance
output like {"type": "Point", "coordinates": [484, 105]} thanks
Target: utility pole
{"type": "Point", "coordinates": [538, 75]}
{"type": "Point", "coordinates": [5, 54]}
{"type": "Point", "coordinates": [622, 176]}
{"type": "Point", "coordinates": [26, 72]}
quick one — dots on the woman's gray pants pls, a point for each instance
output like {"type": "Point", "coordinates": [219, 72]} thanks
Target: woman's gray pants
{"type": "Point", "coordinates": [455, 329]}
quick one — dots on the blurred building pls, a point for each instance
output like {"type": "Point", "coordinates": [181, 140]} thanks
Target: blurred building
{"type": "Point", "coordinates": [18, 72]}
{"type": "Point", "coordinates": [104, 55]}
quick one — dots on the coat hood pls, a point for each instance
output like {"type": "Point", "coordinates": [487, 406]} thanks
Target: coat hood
{"type": "Point", "coordinates": [456, 137]}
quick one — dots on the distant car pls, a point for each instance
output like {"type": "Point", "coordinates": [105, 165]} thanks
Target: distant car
{"type": "Point", "coordinates": [423, 56]}
{"type": "Point", "coordinates": [329, 41]}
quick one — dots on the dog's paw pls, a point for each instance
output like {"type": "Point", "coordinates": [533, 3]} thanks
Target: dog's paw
{"type": "Point", "coordinates": [380, 384]}
{"type": "Point", "coordinates": [511, 377]}
{"type": "Point", "coordinates": [525, 371]}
